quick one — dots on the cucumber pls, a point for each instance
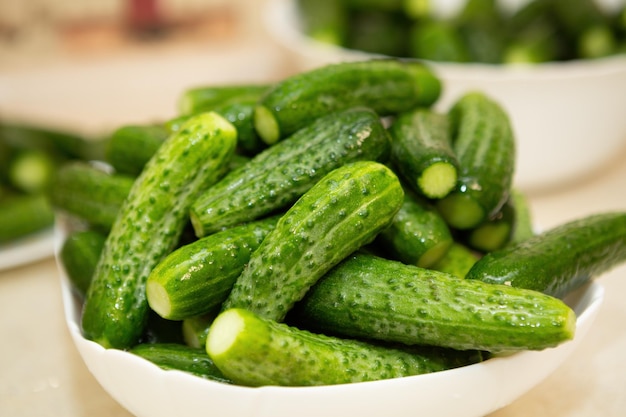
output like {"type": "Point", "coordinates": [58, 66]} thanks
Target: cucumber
{"type": "Point", "coordinates": [523, 227]}
{"type": "Point", "coordinates": [24, 214]}
{"type": "Point", "coordinates": [278, 176]}
{"type": "Point", "coordinates": [59, 143]}
{"type": "Point", "coordinates": [373, 297]}
{"type": "Point", "coordinates": [206, 98]}
{"type": "Point", "coordinates": [457, 261]}
{"type": "Point", "coordinates": [149, 225]}
{"type": "Point", "coordinates": [388, 86]}
{"type": "Point", "coordinates": [240, 114]}
{"type": "Point", "coordinates": [482, 27]}
{"type": "Point", "coordinates": [178, 357]}
{"type": "Point", "coordinates": [79, 256]}
{"type": "Point", "coordinates": [130, 147]}
{"type": "Point", "coordinates": [494, 233]}
{"type": "Point", "coordinates": [418, 235]}
{"type": "Point", "coordinates": [235, 103]}
{"type": "Point", "coordinates": [197, 277]}
{"type": "Point", "coordinates": [558, 260]}
{"type": "Point", "coordinates": [422, 153]}
{"type": "Point", "coordinates": [483, 140]}
{"type": "Point", "coordinates": [324, 20]}
{"type": "Point", "coordinates": [31, 171]}
{"type": "Point", "coordinates": [342, 212]}
{"type": "Point", "coordinates": [195, 329]}
{"type": "Point", "coordinates": [89, 193]}
{"type": "Point", "coordinates": [378, 33]}
{"type": "Point", "coordinates": [254, 351]}
{"type": "Point", "coordinates": [437, 41]}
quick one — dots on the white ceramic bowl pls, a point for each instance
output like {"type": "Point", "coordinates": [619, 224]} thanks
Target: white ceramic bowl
{"type": "Point", "coordinates": [472, 391]}
{"type": "Point", "coordinates": [568, 116]}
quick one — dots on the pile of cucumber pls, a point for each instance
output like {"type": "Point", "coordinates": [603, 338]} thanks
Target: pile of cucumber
{"type": "Point", "coordinates": [485, 31]}
{"type": "Point", "coordinates": [328, 228]}
{"type": "Point", "coordinates": [29, 157]}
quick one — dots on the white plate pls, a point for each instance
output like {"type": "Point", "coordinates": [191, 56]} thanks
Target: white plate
{"type": "Point", "coordinates": [27, 249]}
{"type": "Point", "coordinates": [472, 391]}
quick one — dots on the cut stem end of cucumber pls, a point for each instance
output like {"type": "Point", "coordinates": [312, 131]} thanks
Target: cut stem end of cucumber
{"type": "Point", "coordinates": [437, 180]}
{"type": "Point", "coordinates": [266, 125]}
{"type": "Point", "coordinates": [158, 299]}
{"type": "Point", "coordinates": [224, 332]}
{"type": "Point", "coordinates": [461, 211]}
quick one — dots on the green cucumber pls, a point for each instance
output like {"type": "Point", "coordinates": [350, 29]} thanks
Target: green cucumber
{"type": "Point", "coordinates": [130, 147]}
{"type": "Point", "coordinates": [324, 20]}
{"type": "Point", "coordinates": [378, 33]}
{"type": "Point", "coordinates": [178, 357]}
{"type": "Point", "coordinates": [418, 235]}
{"type": "Point", "coordinates": [558, 260]}
{"type": "Point", "coordinates": [342, 212]}
{"type": "Point", "coordinates": [388, 86]}
{"type": "Point", "coordinates": [195, 329]}
{"type": "Point", "coordinates": [57, 142]}
{"type": "Point", "coordinates": [79, 256]}
{"type": "Point", "coordinates": [437, 41]}
{"type": "Point", "coordinates": [32, 171]}
{"type": "Point", "coordinates": [197, 277]}
{"type": "Point", "coordinates": [206, 98]}
{"type": "Point", "coordinates": [483, 140]}
{"type": "Point", "coordinates": [523, 227]}
{"type": "Point", "coordinates": [24, 214]}
{"type": "Point", "coordinates": [89, 193]}
{"type": "Point", "coordinates": [240, 114]}
{"type": "Point", "coordinates": [254, 351]}
{"type": "Point", "coordinates": [235, 103]}
{"type": "Point", "coordinates": [373, 297]}
{"type": "Point", "coordinates": [149, 225]}
{"type": "Point", "coordinates": [278, 176]}
{"type": "Point", "coordinates": [422, 153]}
{"type": "Point", "coordinates": [457, 261]}
{"type": "Point", "coordinates": [494, 233]}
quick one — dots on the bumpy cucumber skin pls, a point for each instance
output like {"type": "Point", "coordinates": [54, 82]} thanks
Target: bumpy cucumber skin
{"type": "Point", "coordinates": [561, 259]}
{"type": "Point", "coordinates": [271, 353]}
{"type": "Point", "coordinates": [198, 276]}
{"type": "Point", "coordinates": [79, 256]}
{"type": "Point", "coordinates": [483, 140]}
{"type": "Point", "coordinates": [149, 225]}
{"type": "Point", "coordinates": [368, 296]}
{"type": "Point", "coordinates": [418, 235]}
{"type": "Point", "coordinates": [344, 211]}
{"type": "Point", "coordinates": [178, 357]}
{"type": "Point", "coordinates": [420, 139]}
{"type": "Point", "coordinates": [278, 176]}
{"type": "Point", "coordinates": [130, 147]}
{"type": "Point", "coordinates": [388, 86]}
{"type": "Point", "coordinates": [89, 193]}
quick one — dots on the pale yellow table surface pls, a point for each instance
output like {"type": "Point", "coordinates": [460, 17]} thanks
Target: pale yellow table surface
{"type": "Point", "coordinates": [41, 373]}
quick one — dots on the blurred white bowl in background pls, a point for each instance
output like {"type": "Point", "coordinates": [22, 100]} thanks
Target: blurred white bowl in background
{"type": "Point", "coordinates": [568, 117]}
